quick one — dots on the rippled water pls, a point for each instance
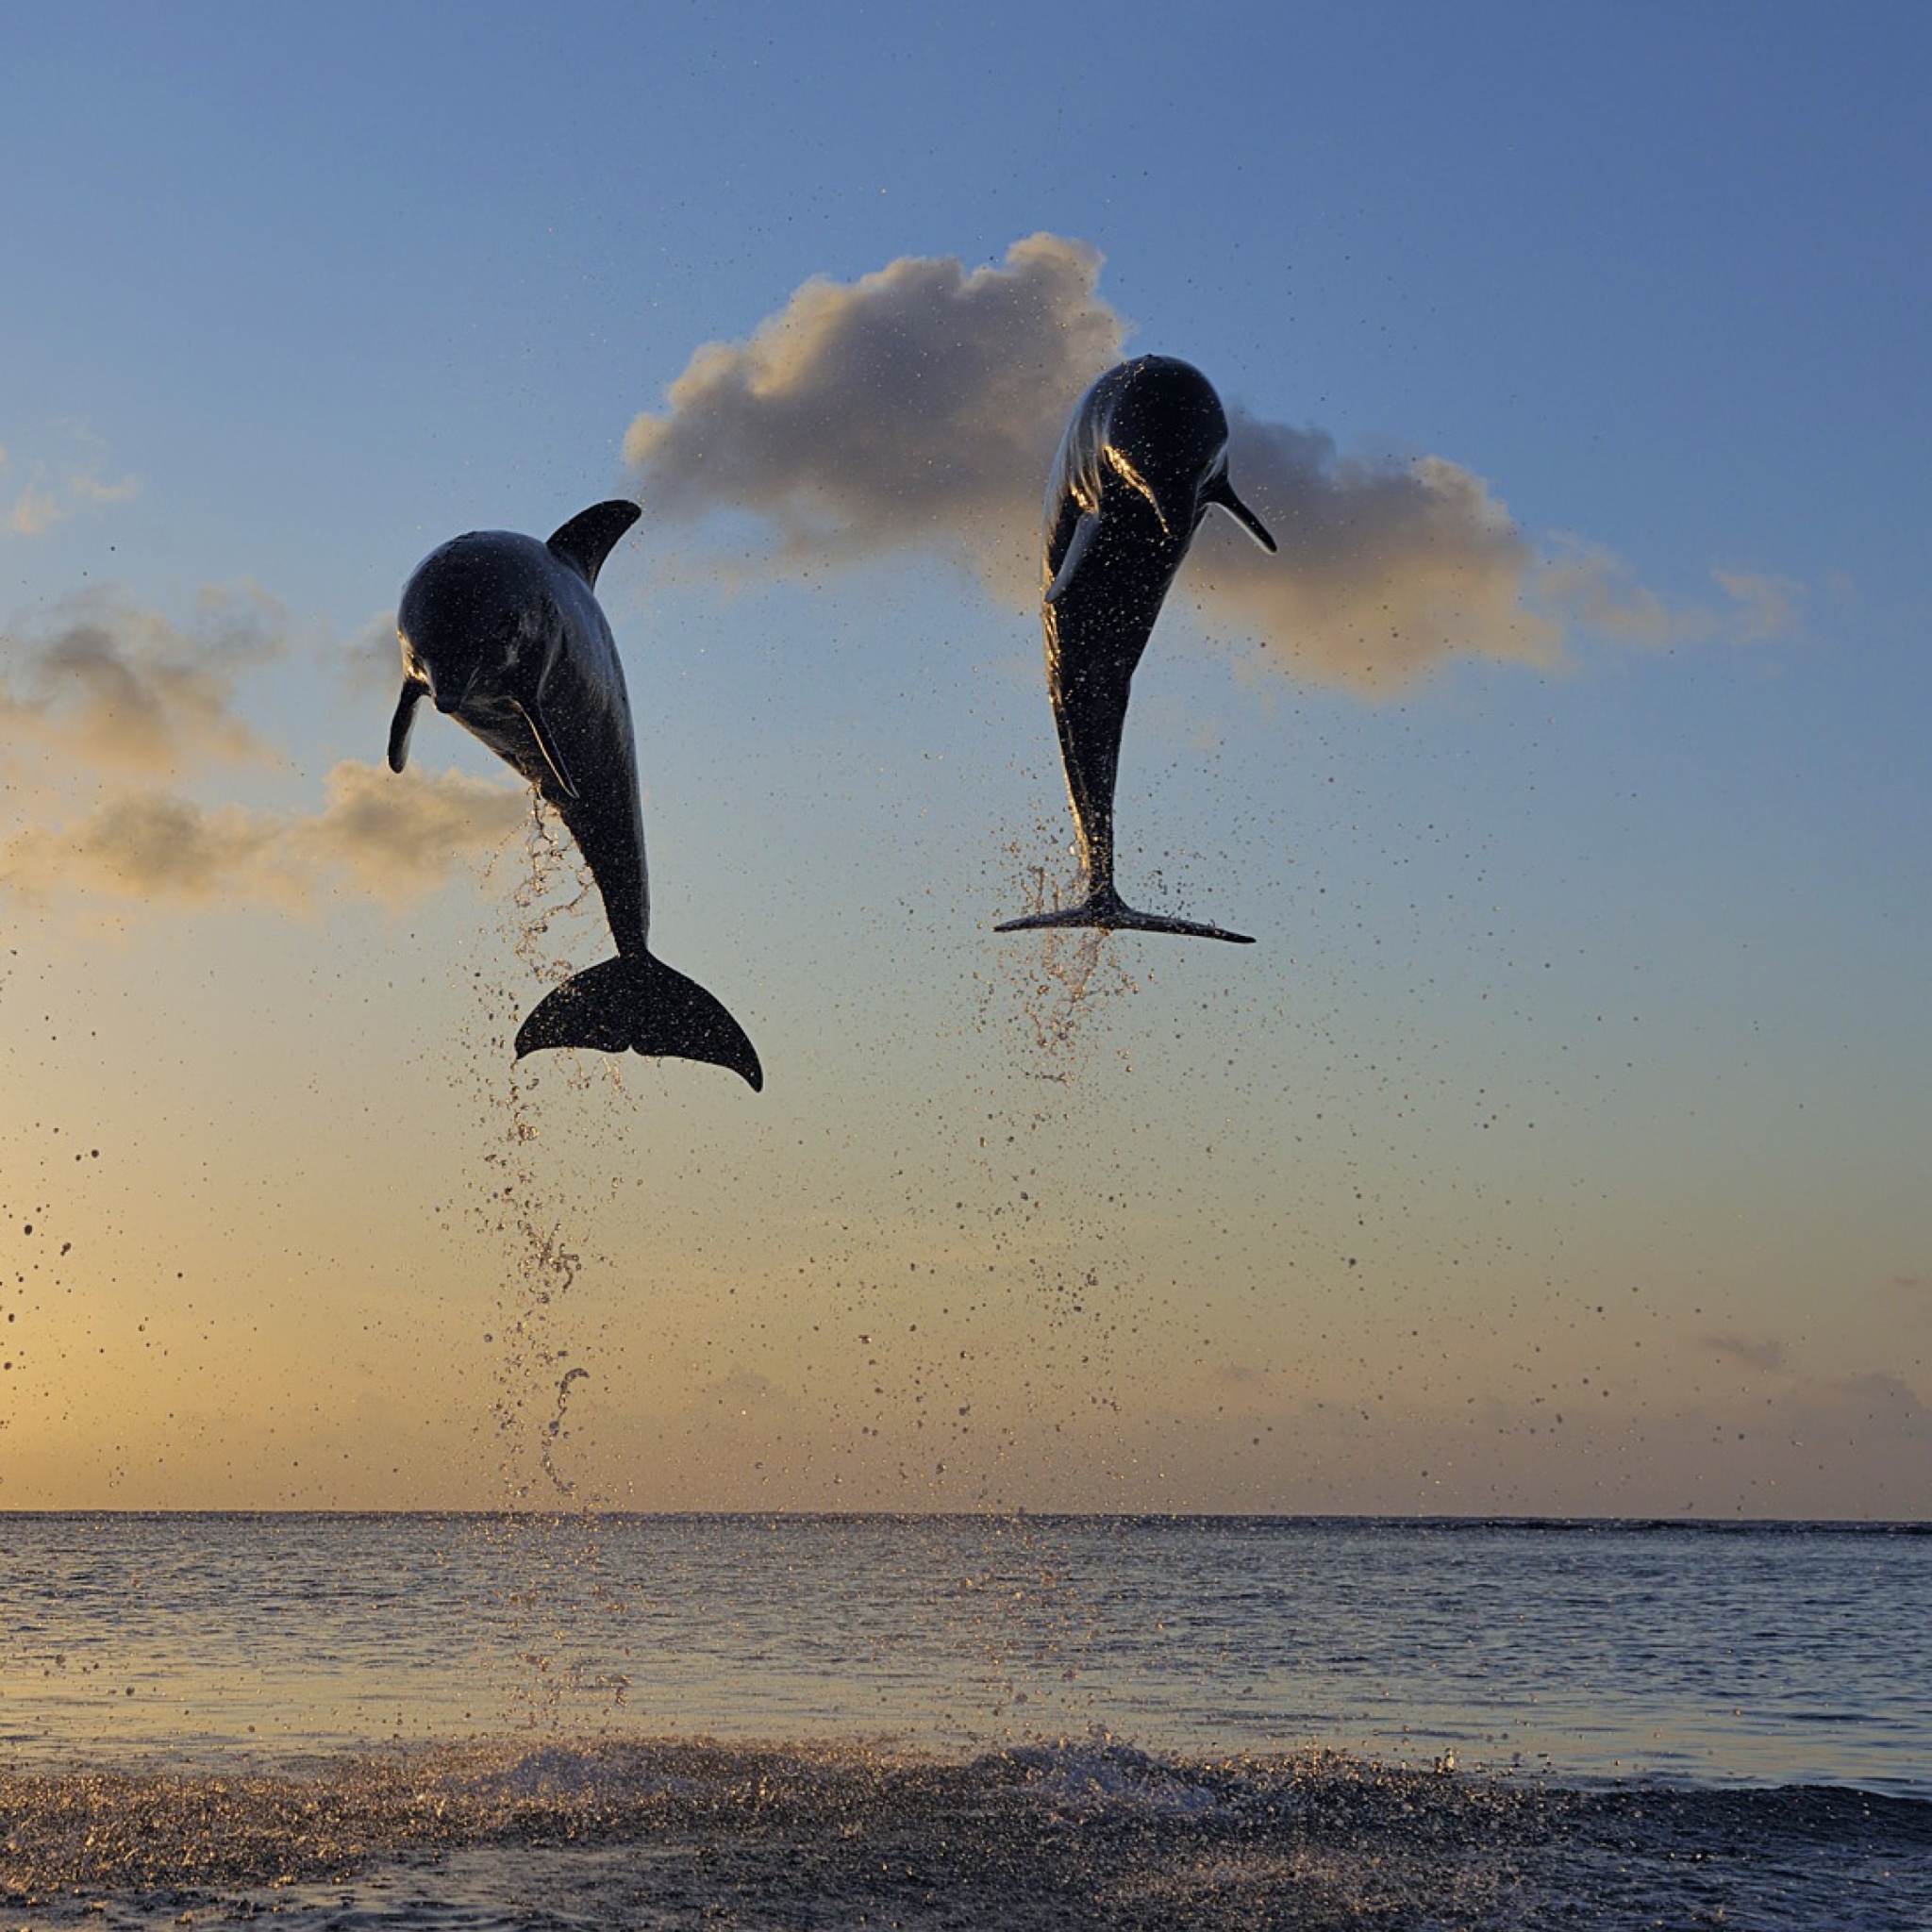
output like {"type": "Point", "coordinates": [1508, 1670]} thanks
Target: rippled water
{"type": "Point", "coordinates": [962, 1720]}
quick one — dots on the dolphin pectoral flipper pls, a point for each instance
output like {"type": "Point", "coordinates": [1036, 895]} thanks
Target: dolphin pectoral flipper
{"type": "Point", "coordinates": [404, 722]}
{"type": "Point", "coordinates": [638, 1002]}
{"type": "Point", "coordinates": [546, 744]}
{"type": "Point", "coordinates": [590, 536]}
{"type": "Point", "coordinates": [1222, 492]}
{"type": "Point", "coordinates": [1082, 541]}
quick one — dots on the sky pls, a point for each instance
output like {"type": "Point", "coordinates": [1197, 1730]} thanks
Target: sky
{"type": "Point", "coordinates": [1559, 1148]}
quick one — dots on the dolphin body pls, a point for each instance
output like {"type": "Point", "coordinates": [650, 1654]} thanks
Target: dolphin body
{"type": "Point", "coordinates": [1145, 455]}
{"type": "Point", "coordinates": [504, 634]}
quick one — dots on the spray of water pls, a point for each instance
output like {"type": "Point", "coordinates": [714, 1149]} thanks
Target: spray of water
{"type": "Point", "coordinates": [533, 1222]}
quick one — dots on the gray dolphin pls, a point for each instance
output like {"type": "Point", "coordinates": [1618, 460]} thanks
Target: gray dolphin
{"type": "Point", "coordinates": [504, 635]}
{"type": "Point", "coordinates": [1145, 455]}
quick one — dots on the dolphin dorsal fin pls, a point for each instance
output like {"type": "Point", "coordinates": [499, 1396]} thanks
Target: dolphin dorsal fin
{"type": "Point", "coordinates": [1081, 542]}
{"type": "Point", "coordinates": [589, 537]}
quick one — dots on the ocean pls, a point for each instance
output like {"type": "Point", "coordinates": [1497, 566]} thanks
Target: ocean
{"type": "Point", "coordinates": [971, 1722]}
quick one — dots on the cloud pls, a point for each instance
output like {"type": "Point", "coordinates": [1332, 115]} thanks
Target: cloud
{"type": "Point", "coordinates": [34, 512]}
{"type": "Point", "coordinates": [739, 1391]}
{"type": "Point", "coordinates": [919, 409]}
{"type": "Point", "coordinates": [1764, 1354]}
{"type": "Point", "coordinates": [915, 409]}
{"type": "Point", "coordinates": [111, 688]}
{"type": "Point", "coordinates": [391, 838]}
{"type": "Point", "coordinates": [121, 706]}
{"type": "Point", "coordinates": [368, 660]}
{"type": "Point", "coordinates": [398, 835]}
{"type": "Point", "coordinates": [1244, 1379]}
{"type": "Point", "coordinates": [1599, 593]}
{"type": "Point", "coordinates": [1384, 569]}
{"type": "Point", "coordinates": [43, 504]}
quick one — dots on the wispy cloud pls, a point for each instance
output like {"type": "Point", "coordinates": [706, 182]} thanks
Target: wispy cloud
{"type": "Point", "coordinates": [389, 838]}
{"type": "Point", "coordinates": [1244, 1379]}
{"type": "Point", "coordinates": [53, 492]}
{"type": "Point", "coordinates": [1763, 1353]}
{"type": "Point", "coordinates": [1599, 593]}
{"type": "Point", "coordinates": [110, 688]}
{"type": "Point", "coordinates": [110, 712]}
{"type": "Point", "coordinates": [368, 661]}
{"type": "Point", "coordinates": [34, 511]}
{"type": "Point", "coordinates": [919, 409]}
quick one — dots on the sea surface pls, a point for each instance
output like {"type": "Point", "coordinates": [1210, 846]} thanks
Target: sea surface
{"type": "Point", "coordinates": [972, 1721]}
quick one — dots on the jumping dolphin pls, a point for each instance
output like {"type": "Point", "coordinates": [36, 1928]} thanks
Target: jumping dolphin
{"type": "Point", "coordinates": [1145, 455]}
{"type": "Point", "coordinates": [504, 634]}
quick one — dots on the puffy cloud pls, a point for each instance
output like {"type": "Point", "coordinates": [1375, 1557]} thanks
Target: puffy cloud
{"type": "Point", "coordinates": [1384, 571]}
{"type": "Point", "coordinates": [109, 688]}
{"type": "Point", "coordinates": [391, 838]}
{"type": "Point", "coordinates": [398, 835]}
{"type": "Point", "coordinates": [919, 409]}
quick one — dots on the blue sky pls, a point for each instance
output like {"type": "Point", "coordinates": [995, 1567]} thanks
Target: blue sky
{"type": "Point", "coordinates": [1589, 981]}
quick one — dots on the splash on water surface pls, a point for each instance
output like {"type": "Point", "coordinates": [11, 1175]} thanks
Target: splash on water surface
{"type": "Point", "coordinates": [1084, 1834]}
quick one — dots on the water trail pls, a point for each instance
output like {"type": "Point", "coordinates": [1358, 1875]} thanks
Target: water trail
{"type": "Point", "coordinates": [1048, 1009]}
{"type": "Point", "coordinates": [1054, 991]}
{"type": "Point", "coordinates": [534, 1221]}
{"type": "Point", "coordinates": [523, 1207]}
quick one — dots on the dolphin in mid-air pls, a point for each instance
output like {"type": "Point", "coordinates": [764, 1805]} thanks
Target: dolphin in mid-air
{"type": "Point", "coordinates": [504, 634]}
{"type": "Point", "coordinates": [1145, 455]}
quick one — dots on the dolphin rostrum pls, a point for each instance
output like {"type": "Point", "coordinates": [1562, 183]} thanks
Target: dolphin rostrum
{"type": "Point", "coordinates": [1145, 455]}
{"type": "Point", "coordinates": [503, 633]}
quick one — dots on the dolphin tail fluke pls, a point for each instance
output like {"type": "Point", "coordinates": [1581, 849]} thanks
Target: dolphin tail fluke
{"type": "Point", "coordinates": [637, 1002]}
{"type": "Point", "coordinates": [1107, 911]}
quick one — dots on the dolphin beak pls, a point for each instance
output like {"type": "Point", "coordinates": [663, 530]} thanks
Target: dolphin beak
{"type": "Point", "coordinates": [1222, 492]}
{"type": "Point", "coordinates": [403, 723]}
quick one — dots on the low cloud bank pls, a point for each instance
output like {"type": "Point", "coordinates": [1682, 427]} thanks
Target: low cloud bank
{"type": "Point", "coordinates": [108, 712]}
{"type": "Point", "coordinates": [106, 686]}
{"type": "Point", "coordinates": [919, 407]}
{"type": "Point", "coordinates": [389, 838]}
